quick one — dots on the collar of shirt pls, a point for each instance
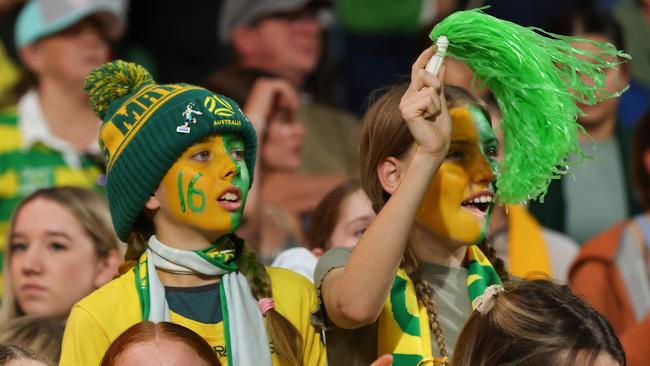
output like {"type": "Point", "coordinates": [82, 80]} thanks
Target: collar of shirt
{"type": "Point", "coordinates": [34, 129]}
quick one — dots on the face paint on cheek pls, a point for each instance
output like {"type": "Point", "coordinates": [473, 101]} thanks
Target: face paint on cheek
{"type": "Point", "coordinates": [487, 138]}
{"type": "Point", "coordinates": [241, 178]}
{"type": "Point", "coordinates": [191, 192]}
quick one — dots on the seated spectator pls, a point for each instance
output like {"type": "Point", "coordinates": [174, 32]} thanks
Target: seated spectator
{"type": "Point", "coordinates": [50, 138]}
{"type": "Point", "coordinates": [37, 333]}
{"type": "Point", "coordinates": [596, 194]}
{"type": "Point", "coordinates": [536, 323]}
{"type": "Point", "coordinates": [11, 355]}
{"type": "Point", "coordinates": [61, 248]}
{"type": "Point", "coordinates": [148, 343]}
{"type": "Point", "coordinates": [611, 270]}
{"type": "Point", "coordinates": [339, 220]}
{"type": "Point", "coordinates": [285, 39]}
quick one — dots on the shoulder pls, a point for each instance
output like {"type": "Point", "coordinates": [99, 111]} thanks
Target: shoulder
{"type": "Point", "coordinates": [604, 245]}
{"type": "Point", "coordinates": [287, 281]}
{"type": "Point", "coordinates": [113, 303]}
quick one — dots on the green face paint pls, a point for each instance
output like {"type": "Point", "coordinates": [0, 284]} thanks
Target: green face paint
{"type": "Point", "coordinates": [234, 148]}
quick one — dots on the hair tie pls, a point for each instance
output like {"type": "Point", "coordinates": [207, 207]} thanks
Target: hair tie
{"type": "Point", "coordinates": [265, 304]}
{"type": "Point", "coordinates": [484, 303]}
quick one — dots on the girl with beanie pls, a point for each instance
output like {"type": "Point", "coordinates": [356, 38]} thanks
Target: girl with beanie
{"type": "Point", "coordinates": [180, 162]}
{"type": "Point", "coordinates": [427, 163]}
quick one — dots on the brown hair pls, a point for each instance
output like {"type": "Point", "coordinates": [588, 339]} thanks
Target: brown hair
{"type": "Point", "coordinates": [147, 331]}
{"type": "Point", "coordinates": [283, 334]}
{"type": "Point", "coordinates": [38, 333]}
{"type": "Point", "coordinates": [89, 208]}
{"type": "Point", "coordinates": [384, 134]}
{"type": "Point", "coordinates": [10, 352]}
{"type": "Point", "coordinates": [326, 214]}
{"type": "Point", "coordinates": [536, 323]}
{"type": "Point", "coordinates": [640, 174]}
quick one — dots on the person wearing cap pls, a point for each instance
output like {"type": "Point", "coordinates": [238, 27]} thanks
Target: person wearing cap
{"type": "Point", "coordinates": [284, 38]}
{"type": "Point", "coordinates": [177, 190]}
{"type": "Point", "coordinates": [50, 137]}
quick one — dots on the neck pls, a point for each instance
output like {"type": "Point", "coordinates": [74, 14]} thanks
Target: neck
{"type": "Point", "coordinates": [182, 237]}
{"type": "Point", "coordinates": [184, 280]}
{"type": "Point", "coordinates": [600, 131]}
{"type": "Point", "coordinates": [429, 248]}
{"type": "Point", "coordinates": [68, 114]}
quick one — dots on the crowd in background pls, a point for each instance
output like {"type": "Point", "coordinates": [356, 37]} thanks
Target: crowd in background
{"type": "Point", "coordinates": [305, 73]}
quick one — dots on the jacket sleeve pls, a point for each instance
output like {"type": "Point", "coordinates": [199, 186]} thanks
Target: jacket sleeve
{"type": "Point", "coordinates": [84, 340]}
{"type": "Point", "coordinates": [635, 343]}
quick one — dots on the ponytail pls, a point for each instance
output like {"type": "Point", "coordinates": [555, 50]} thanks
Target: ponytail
{"type": "Point", "coordinates": [285, 336]}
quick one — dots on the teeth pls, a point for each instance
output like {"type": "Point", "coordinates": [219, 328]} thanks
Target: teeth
{"type": "Point", "coordinates": [482, 199]}
{"type": "Point", "coordinates": [229, 196]}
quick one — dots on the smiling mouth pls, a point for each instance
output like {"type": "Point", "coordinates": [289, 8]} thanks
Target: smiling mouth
{"type": "Point", "coordinates": [230, 199]}
{"type": "Point", "coordinates": [479, 202]}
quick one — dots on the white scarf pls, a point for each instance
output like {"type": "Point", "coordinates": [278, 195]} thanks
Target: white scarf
{"type": "Point", "coordinates": [243, 322]}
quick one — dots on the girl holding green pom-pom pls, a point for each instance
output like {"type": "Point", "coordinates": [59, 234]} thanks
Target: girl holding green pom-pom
{"type": "Point", "coordinates": [427, 159]}
{"type": "Point", "coordinates": [176, 192]}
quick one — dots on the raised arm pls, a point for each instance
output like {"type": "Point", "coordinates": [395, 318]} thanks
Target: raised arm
{"type": "Point", "coordinates": [355, 295]}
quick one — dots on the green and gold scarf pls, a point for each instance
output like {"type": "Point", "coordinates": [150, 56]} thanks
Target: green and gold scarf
{"type": "Point", "coordinates": [404, 324]}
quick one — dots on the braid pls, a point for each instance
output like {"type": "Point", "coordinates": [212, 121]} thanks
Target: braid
{"type": "Point", "coordinates": [424, 293]}
{"type": "Point", "coordinates": [284, 335]}
{"type": "Point", "coordinates": [499, 265]}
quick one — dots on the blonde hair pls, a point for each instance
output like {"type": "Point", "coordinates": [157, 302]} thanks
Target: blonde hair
{"type": "Point", "coordinates": [384, 134]}
{"type": "Point", "coordinates": [37, 333]}
{"type": "Point", "coordinates": [90, 210]}
{"type": "Point", "coordinates": [535, 323]}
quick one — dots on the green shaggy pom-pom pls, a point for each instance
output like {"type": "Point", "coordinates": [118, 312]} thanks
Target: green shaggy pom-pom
{"type": "Point", "coordinates": [537, 81]}
{"type": "Point", "coordinates": [112, 81]}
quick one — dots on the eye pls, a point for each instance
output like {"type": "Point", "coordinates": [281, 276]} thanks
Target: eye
{"type": "Point", "coordinates": [237, 154]}
{"type": "Point", "coordinates": [203, 155]}
{"type": "Point", "coordinates": [57, 247]}
{"type": "Point", "coordinates": [359, 232]}
{"type": "Point", "coordinates": [492, 152]}
{"type": "Point", "coordinates": [455, 155]}
{"type": "Point", "coordinates": [18, 247]}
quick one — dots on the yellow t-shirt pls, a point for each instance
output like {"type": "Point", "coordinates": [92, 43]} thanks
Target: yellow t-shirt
{"type": "Point", "coordinates": [98, 319]}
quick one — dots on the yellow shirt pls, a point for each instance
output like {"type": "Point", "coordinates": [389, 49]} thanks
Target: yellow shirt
{"type": "Point", "coordinates": [102, 316]}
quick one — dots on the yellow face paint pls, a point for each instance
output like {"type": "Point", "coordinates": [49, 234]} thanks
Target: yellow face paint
{"type": "Point", "coordinates": [206, 188]}
{"type": "Point", "coordinates": [452, 207]}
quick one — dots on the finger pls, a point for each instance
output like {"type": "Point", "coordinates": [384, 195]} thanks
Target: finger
{"type": "Point", "coordinates": [443, 99]}
{"type": "Point", "coordinates": [420, 63]}
{"type": "Point", "coordinates": [423, 79]}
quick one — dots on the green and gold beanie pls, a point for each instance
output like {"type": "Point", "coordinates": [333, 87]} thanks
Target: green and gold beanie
{"type": "Point", "coordinates": [147, 126]}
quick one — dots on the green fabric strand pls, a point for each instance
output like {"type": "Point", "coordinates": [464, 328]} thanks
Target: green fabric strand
{"type": "Point", "coordinates": [536, 81]}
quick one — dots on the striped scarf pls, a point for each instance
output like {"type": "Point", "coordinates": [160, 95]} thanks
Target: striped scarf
{"type": "Point", "coordinates": [247, 342]}
{"type": "Point", "coordinates": [404, 323]}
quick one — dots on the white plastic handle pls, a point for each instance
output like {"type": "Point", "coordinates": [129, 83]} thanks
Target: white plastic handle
{"type": "Point", "coordinates": [434, 64]}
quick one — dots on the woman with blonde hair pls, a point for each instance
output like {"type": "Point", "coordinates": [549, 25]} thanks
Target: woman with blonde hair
{"type": "Point", "coordinates": [61, 247]}
{"type": "Point", "coordinates": [40, 334]}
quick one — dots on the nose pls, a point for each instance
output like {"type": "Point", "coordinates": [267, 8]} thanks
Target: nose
{"type": "Point", "coordinates": [230, 171]}
{"type": "Point", "coordinates": [482, 172]}
{"type": "Point", "coordinates": [31, 261]}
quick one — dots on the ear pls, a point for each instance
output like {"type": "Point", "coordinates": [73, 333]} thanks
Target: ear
{"type": "Point", "coordinates": [32, 58]}
{"type": "Point", "coordinates": [153, 203]}
{"type": "Point", "coordinates": [391, 172]}
{"type": "Point", "coordinates": [108, 267]}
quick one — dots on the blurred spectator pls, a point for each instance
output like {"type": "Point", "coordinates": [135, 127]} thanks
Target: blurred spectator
{"type": "Point", "coordinates": [596, 193]}
{"type": "Point", "coordinates": [11, 355]}
{"type": "Point", "coordinates": [37, 333]}
{"type": "Point", "coordinates": [61, 248]}
{"type": "Point", "coordinates": [611, 270]}
{"type": "Point", "coordinates": [50, 139]}
{"type": "Point", "coordinates": [536, 323]}
{"type": "Point", "coordinates": [634, 17]}
{"type": "Point", "coordinates": [339, 220]}
{"type": "Point", "coordinates": [284, 37]}
{"type": "Point", "coordinates": [148, 344]}
{"type": "Point", "coordinates": [527, 248]}
{"type": "Point", "coordinates": [273, 208]}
